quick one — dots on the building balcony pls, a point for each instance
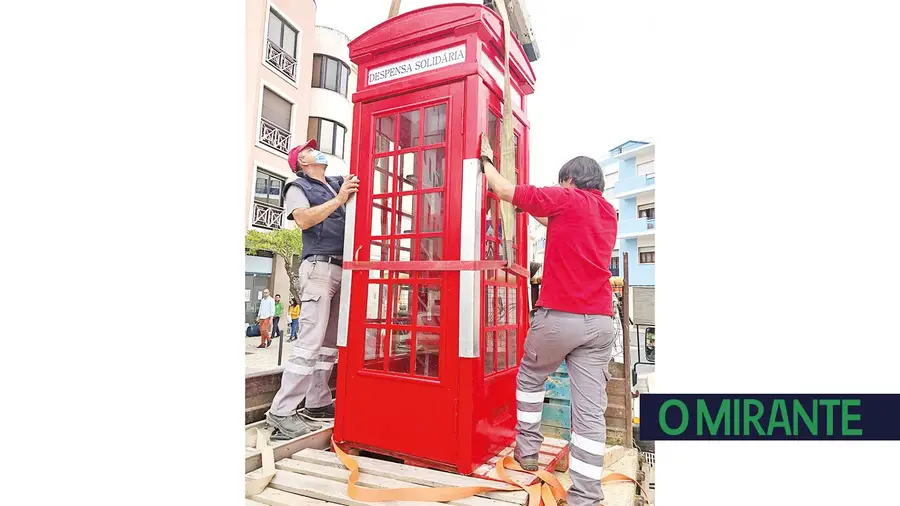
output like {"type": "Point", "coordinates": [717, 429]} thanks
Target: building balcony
{"type": "Point", "coordinates": [274, 136]}
{"type": "Point", "coordinates": [636, 227]}
{"type": "Point", "coordinates": [267, 216]}
{"type": "Point", "coordinates": [283, 62]}
{"type": "Point", "coordinates": [633, 186]}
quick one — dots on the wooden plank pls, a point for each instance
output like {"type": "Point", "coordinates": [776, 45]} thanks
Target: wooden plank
{"type": "Point", "coordinates": [319, 439]}
{"type": "Point", "coordinates": [548, 430]}
{"type": "Point", "coordinates": [275, 497]}
{"type": "Point", "coordinates": [366, 479]}
{"type": "Point", "coordinates": [326, 490]}
{"type": "Point", "coordinates": [553, 442]}
{"type": "Point", "coordinates": [411, 474]}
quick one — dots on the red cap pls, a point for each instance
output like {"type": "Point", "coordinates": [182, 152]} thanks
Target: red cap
{"type": "Point", "coordinates": [295, 153]}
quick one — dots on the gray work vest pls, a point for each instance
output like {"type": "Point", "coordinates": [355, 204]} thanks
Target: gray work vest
{"type": "Point", "coordinates": [326, 238]}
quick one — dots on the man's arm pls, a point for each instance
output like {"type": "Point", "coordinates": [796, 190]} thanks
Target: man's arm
{"type": "Point", "coordinates": [538, 202]}
{"type": "Point", "coordinates": [312, 216]}
{"type": "Point", "coordinates": [305, 216]}
{"type": "Point", "coordinates": [498, 184]}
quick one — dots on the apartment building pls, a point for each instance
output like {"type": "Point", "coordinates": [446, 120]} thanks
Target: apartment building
{"type": "Point", "coordinates": [630, 175]}
{"type": "Point", "coordinates": [299, 83]}
{"type": "Point", "coordinates": [330, 119]}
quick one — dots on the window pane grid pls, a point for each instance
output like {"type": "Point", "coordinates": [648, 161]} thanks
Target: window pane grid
{"type": "Point", "coordinates": [407, 225]}
{"type": "Point", "coordinates": [330, 73]}
{"type": "Point", "coordinates": [409, 339]}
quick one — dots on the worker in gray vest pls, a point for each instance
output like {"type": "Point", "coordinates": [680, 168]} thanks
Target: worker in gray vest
{"type": "Point", "coordinates": [573, 319]}
{"type": "Point", "coordinates": [316, 204]}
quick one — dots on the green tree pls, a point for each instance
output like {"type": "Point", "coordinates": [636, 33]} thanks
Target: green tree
{"type": "Point", "coordinates": [287, 244]}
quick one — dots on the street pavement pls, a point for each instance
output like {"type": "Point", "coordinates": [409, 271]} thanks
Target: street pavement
{"type": "Point", "coordinates": [265, 359]}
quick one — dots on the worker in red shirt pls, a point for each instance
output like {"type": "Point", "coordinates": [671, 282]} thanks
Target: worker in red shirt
{"type": "Point", "coordinates": [574, 317]}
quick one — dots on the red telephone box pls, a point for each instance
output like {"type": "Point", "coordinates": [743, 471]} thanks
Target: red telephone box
{"type": "Point", "coordinates": [437, 316]}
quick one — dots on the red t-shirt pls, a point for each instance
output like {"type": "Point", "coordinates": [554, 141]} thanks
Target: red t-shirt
{"type": "Point", "coordinates": [581, 235]}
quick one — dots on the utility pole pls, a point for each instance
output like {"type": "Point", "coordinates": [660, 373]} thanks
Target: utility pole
{"type": "Point", "coordinates": [626, 337]}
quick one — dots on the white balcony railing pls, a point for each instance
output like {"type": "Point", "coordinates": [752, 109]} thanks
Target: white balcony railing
{"type": "Point", "coordinates": [267, 216]}
{"type": "Point", "coordinates": [274, 136]}
{"type": "Point", "coordinates": [282, 61]}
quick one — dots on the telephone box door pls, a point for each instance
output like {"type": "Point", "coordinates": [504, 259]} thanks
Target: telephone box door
{"type": "Point", "coordinates": [402, 354]}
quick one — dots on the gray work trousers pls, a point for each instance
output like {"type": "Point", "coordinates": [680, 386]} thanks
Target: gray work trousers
{"type": "Point", "coordinates": [314, 352]}
{"type": "Point", "coordinates": [585, 343]}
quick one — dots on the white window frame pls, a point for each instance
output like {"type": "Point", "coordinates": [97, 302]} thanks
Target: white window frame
{"type": "Point", "coordinates": [293, 127]}
{"type": "Point", "coordinates": [350, 74]}
{"type": "Point", "coordinates": [269, 8]}
{"type": "Point", "coordinates": [257, 166]}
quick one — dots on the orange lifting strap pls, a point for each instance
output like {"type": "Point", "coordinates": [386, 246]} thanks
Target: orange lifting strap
{"type": "Point", "coordinates": [547, 491]}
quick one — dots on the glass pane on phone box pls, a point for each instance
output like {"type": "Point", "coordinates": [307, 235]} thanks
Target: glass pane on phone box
{"type": "Point", "coordinates": [374, 351]}
{"type": "Point", "coordinates": [379, 252]}
{"type": "Point", "coordinates": [488, 353]}
{"type": "Point", "coordinates": [428, 347]}
{"type": "Point", "coordinates": [384, 134]}
{"type": "Point", "coordinates": [381, 216]}
{"type": "Point", "coordinates": [409, 171]}
{"type": "Point", "coordinates": [432, 212]}
{"type": "Point", "coordinates": [409, 129]}
{"type": "Point", "coordinates": [501, 350]}
{"type": "Point", "coordinates": [434, 162]}
{"type": "Point", "coordinates": [406, 217]}
{"type": "Point", "coordinates": [428, 305]}
{"type": "Point", "coordinates": [435, 124]}
{"type": "Point", "coordinates": [383, 175]}
{"type": "Point", "coordinates": [377, 304]}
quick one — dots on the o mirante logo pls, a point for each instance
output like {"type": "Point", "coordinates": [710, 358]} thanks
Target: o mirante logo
{"type": "Point", "coordinates": [769, 416]}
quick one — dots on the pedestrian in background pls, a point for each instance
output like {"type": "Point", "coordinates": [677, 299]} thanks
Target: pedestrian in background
{"type": "Point", "coordinates": [294, 313]}
{"type": "Point", "coordinates": [279, 309]}
{"type": "Point", "coordinates": [264, 318]}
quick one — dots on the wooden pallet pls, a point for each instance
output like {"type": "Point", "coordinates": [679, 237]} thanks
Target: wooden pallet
{"type": "Point", "coordinates": [320, 439]}
{"type": "Point", "coordinates": [553, 456]}
{"type": "Point", "coordinates": [314, 477]}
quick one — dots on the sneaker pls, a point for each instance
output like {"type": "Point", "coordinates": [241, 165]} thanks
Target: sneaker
{"type": "Point", "coordinates": [288, 427]}
{"type": "Point", "coordinates": [261, 346]}
{"type": "Point", "coordinates": [323, 414]}
{"type": "Point", "coordinates": [269, 343]}
{"type": "Point", "coordinates": [529, 463]}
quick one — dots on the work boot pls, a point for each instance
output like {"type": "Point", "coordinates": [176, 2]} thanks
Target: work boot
{"type": "Point", "coordinates": [288, 427]}
{"type": "Point", "coordinates": [323, 414]}
{"type": "Point", "coordinates": [529, 463]}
